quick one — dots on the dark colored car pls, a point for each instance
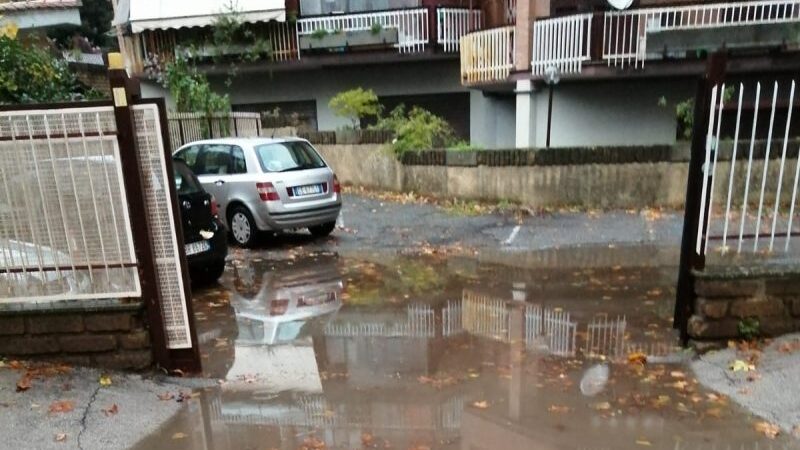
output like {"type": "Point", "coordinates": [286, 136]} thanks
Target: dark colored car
{"type": "Point", "coordinates": [204, 234]}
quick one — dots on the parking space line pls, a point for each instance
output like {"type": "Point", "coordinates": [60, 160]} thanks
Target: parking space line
{"type": "Point", "coordinates": [512, 236]}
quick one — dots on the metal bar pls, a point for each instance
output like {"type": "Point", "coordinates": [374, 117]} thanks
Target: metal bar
{"type": "Point", "coordinates": [733, 166]}
{"type": "Point", "coordinates": [749, 167]}
{"type": "Point", "coordinates": [776, 211]}
{"type": "Point", "coordinates": [714, 167]}
{"type": "Point", "coordinates": [766, 164]}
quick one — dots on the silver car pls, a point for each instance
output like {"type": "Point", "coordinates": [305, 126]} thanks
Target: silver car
{"type": "Point", "coordinates": [266, 184]}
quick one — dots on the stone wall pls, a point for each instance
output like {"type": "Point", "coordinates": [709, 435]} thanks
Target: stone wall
{"type": "Point", "coordinates": [106, 334]}
{"type": "Point", "coordinates": [729, 297]}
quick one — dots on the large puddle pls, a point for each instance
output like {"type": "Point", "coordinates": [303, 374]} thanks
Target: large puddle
{"type": "Point", "coordinates": [503, 351]}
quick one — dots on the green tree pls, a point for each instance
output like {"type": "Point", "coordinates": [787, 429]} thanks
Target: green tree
{"type": "Point", "coordinates": [356, 104]}
{"type": "Point", "coordinates": [29, 74]}
{"type": "Point", "coordinates": [190, 89]}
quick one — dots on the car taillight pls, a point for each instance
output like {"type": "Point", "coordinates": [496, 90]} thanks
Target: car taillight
{"type": "Point", "coordinates": [278, 307]}
{"type": "Point", "coordinates": [214, 207]}
{"type": "Point", "coordinates": [337, 188]}
{"type": "Point", "coordinates": [267, 192]}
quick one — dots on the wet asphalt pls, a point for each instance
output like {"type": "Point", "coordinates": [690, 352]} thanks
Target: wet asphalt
{"type": "Point", "coordinates": [414, 328]}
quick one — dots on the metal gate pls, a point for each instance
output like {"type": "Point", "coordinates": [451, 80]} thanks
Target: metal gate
{"type": "Point", "coordinates": [743, 177]}
{"type": "Point", "coordinates": [88, 211]}
{"type": "Point", "coordinates": [65, 232]}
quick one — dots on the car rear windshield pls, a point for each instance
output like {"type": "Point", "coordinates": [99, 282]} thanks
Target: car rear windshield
{"type": "Point", "coordinates": [288, 156]}
{"type": "Point", "coordinates": [185, 181]}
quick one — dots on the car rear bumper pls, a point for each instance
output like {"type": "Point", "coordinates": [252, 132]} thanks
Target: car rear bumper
{"type": "Point", "coordinates": [299, 219]}
{"type": "Point", "coordinates": [217, 252]}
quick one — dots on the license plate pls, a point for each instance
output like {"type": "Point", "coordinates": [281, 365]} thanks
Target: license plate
{"type": "Point", "coordinates": [197, 247]}
{"type": "Point", "coordinates": [311, 189]}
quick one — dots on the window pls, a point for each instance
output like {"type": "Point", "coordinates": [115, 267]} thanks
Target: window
{"type": "Point", "coordinates": [287, 156]}
{"type": "Point", "coordinates": [189, 156]}
{"type": "Point", "coordinates": [238, 164]}
{"type": "Point", "coordinates": [213, 159]}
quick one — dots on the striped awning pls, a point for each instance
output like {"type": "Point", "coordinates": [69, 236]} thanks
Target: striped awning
{"type": "Point", "coordinates": [143, 15]}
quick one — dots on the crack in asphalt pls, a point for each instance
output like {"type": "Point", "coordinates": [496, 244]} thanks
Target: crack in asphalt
{"type": "Point", "coordinates": [86, 414]}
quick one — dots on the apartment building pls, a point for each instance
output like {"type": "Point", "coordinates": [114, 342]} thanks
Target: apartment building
{"type": "Point", "coordinates": [504, 73]}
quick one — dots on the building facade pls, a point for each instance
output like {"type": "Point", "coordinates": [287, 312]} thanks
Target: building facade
{"type": "Point", "coordinates": [503, 73]}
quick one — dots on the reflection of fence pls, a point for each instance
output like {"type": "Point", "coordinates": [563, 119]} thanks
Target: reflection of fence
{"type": "Point", "coordinates": [451, 319]}
{"type": "Point", "coordinates": [419, 323]}
{"type": "Point", "coordinates": [186, 127]}
{"type": "Point", "coordinates": [550, 327]}
{"type": "Point", "coordinates": [485, 316]}
{"type": "Point", "coordinates": [606, 337]}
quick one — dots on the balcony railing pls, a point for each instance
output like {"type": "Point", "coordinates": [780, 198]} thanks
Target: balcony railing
{"type": "Point", "coordinates": [452, 23]}
{"type": "Point", "coordinates": [487, 55]}
{"type": "Point", "coordinates": [411, 26]}
{"type": "Point", "coordinates": [625, 32]}
{"type": "Point", "coordinates": [564, 43]}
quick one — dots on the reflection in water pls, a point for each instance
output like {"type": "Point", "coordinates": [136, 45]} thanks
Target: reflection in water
{"type": "Point", "coordinates": [451, 368]}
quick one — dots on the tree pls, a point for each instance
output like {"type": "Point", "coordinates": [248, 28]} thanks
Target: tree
{"type": "Point", "coordinates": [356, 104]}
{"type": "Point", "coordinates": [29, 74]}
{"type": "Point", "coordinates": [190, 89]}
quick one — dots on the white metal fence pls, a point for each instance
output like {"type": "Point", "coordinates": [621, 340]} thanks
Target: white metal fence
{"type": "Point", "coordinates": [485, 316]}
{"type": "Point", "coordinates": [419, 323]}
{"type": "Point", "coordinates": [411, 26]}
{"type": "Point", "coordinates": [749, 203]}
{"type": "Point", "coordinates": [487, 55]}
{"type": "Point", "coordinates": [564, 43]}
{"type": "Point", "coordinates": [625, 32]}
{"type": "Point", "coordinates": [185, 127]}
{"type": "Point", "coordinates": [451, 319]}
{"type": "Point", "coordinates": [606, 338]}
{"type": "Point", "coordinates": [65, 232]}
{"type": "Point", "coordinates": [452, 23]}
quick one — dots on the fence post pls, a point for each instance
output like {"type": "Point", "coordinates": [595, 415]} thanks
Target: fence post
{"type": "Point", "coordinates": [132, 176]}
{"type": "Point", "coordinates": [690, 260]}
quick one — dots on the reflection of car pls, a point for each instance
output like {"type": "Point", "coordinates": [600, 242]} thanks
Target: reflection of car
{"type": "Point", "coordinates": [204, 235]}
{"type": "Point", "coordinates": [290, 304]}
{"type": "Point", "coordinates": [266, 184]}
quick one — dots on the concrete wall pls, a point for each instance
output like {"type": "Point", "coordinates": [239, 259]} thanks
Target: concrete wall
{"type": "Point", "coordinates": [599, 113]}
{"type": "Point", "coordinates": [611, 186]}
{"type": "Point", "coordinates": [491, 120]}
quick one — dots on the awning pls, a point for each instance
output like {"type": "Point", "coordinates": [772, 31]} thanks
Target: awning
{"type": "Point", "coordinates": [144, 15]}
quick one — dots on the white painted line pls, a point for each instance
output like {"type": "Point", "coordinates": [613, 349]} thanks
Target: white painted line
{"type": "Point", "coordinates": [512, 236]}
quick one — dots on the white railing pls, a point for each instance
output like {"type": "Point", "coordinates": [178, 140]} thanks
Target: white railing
{"type": "Point", "coordinates": [94, 59]}
{"type": "Point", "coordinates": [487, 55]}
{"type": "Point", "coordinates": [564, 43]}
{"type": "Point", "coordinates": [452, 23]}
{"type": "Point", "coordinates": [749, 195]}
{"type": "Point", "coordinates": [411, 26]}
{"type": "Point", "coordinates": [625, 32]}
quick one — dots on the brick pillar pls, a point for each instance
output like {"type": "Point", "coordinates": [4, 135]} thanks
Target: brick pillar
{"type": "Point", "coordinates": [527, 12]}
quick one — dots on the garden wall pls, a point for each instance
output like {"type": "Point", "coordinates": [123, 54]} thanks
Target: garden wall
{"type": "Point", "coordinates": [103, 333]}
{"type": "Point", "coordinates": [604, 178]}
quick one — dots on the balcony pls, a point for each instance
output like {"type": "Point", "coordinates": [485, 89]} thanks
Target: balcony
{"type": "Point", "coordinates": [453, 23]}
{"type": "Point", "coordinates": [487, 56]}
{"type": "Point", "coordinates": [627, 39]}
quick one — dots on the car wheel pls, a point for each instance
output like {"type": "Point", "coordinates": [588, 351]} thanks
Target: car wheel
{"type": "Point", "coordinates": [215, 270]}
{"type": "Point", "coordinates": [322, 230]}
{"type": "Point", "coordinates": [243, 227]}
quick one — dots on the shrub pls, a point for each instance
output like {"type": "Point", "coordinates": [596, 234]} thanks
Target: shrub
{"type": "Point", "coordinates": [191, 90]}
{"type": "Point", "coordinates": [417, 130]}
{"type": "Point", "coordinates": [356, 104]}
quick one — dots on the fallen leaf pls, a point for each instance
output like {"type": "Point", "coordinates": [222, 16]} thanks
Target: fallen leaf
{"type": "Point", "coordinates": [105, 380]}
{"type": "Point", "coordinates": [179, 435]}
{"type": "Point", "coordinates": [483, 404]}
{"type": "Point", "coordinates": [714, 412]}
{"type": "Point", "coordinates": [643, 442]}
{"type": "Point", "coordinates": [62, 406]}
{"type": "Point", "coordinates": [662, 400]}
{"type": "Point", "coordinates": [312, 443]}
{"type": "Point", "coordinates": [637, 358]}
{"type": "Point", "coordinates": [61, 437]}
{"type": "Point", "coordinates": [24, 383]}
{"type": "Point", "coordinates": [111, 410]}
{"type": "Point", "coordinates": [767, 429]}
{"type": "Point", "coordinates": [602, 406]}
{"type": "Point", "coordinates": [741, 366]}
{"type": "Point", "coordinates": [367, 439]}
{"type": "Point", "coordinates": [677, 374]}
{"type": "Point", "coordinates": [558, 409]}
{"type": "Point", "coordinates": [166, 396]}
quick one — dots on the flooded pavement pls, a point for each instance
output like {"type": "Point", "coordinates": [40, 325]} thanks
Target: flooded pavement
{"type": "Point", "coordinates": [541, 350]}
